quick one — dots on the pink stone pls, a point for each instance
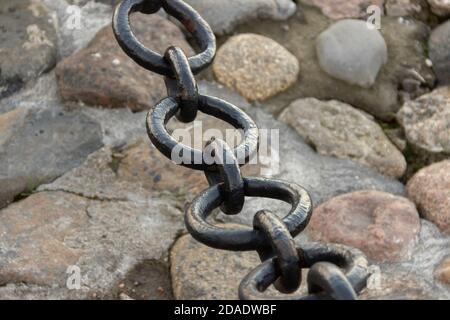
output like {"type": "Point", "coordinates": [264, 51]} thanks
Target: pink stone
{"type": "Point", "coordinates": [430, 190]}
{"type": "Point", "coordinates": [383, 226]}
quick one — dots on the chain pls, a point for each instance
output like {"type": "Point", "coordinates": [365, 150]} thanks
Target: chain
{"type": "Point", "coordinates": [335, 271]}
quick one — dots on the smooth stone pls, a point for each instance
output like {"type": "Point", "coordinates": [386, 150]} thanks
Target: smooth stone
{"type": "Point", "coordinates": [340, 9]}
{"type": "Point", "coordinates": [224, 15]}
{"type": "Point", "coordinates": [255, 66]}
{"type": "Point", "coordinates": [350, 51]}
{"type": "Point", "coordinates": [426, 122]}
{"type": "Point", "coordinates": [430, 190]}
{"type": "Point", "coordinates": [28, 44]}
{"type": "Point", "coordinates": [383, 226]}
{"type": "Point", "coordinates": [439, 51]}
{"type": "Point", "coordinates": [337, 129]}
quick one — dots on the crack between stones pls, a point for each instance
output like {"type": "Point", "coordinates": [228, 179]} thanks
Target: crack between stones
{"type": "Point", "coordinates": [92, 198]}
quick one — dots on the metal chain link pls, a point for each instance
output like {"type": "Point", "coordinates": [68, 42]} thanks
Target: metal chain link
{"type": "Point", "coordinates": [335, 271]}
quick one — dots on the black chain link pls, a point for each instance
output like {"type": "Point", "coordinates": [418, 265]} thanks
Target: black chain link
{"type": "Point", "coordinates": [335, 271]}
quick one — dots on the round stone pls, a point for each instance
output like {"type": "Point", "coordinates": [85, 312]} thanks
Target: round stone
{"type": "Point", "coordinates": [383, 226]}
{"type": "Point", "coordinates": [351, 52]}
{"type": "Point", "coordinates": [426, 122]}
{"type": "Point", "coordinates": [336, 128]}
{"type": "Point", "coordinates": [430, 190]}
{"type": "Point", "coordinates": [256, 66]}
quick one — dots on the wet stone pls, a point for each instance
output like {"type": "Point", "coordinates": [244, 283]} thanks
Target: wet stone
{"type": "Point", "coordinates": [224, 15]}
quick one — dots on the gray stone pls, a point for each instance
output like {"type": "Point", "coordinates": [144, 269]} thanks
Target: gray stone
{"type": "Point", "coordinates": [426, 122]}
{"type": "Point", "coordinates": [128, 174]}
{"type": "Point", "coordinates": [256, 66]}
{"type": "Point", "coordinates": [351, 52]}
{"type": "Point", "coordinates": [77, 24]}
{"type": "Point", "coordinates": [337, 129]}
{"type": "Point", "coordinates": [224, 15]}
{"type": "Point", "coordinates": [38, 145]}
{"type": "Point", "coordinates": [118, 126]}
{"type": "Point", "coordinates": [28, 40]}
{"type": "Point", "coordinates": [96, 179]}
{"type": "Point", "coordinates": [40, 94]}
{"type": "Point", "coordinates": [439, 48]}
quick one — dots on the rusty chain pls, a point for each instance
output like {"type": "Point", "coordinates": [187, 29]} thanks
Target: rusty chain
{"type": "Point", "coordinates": [335, 271]}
